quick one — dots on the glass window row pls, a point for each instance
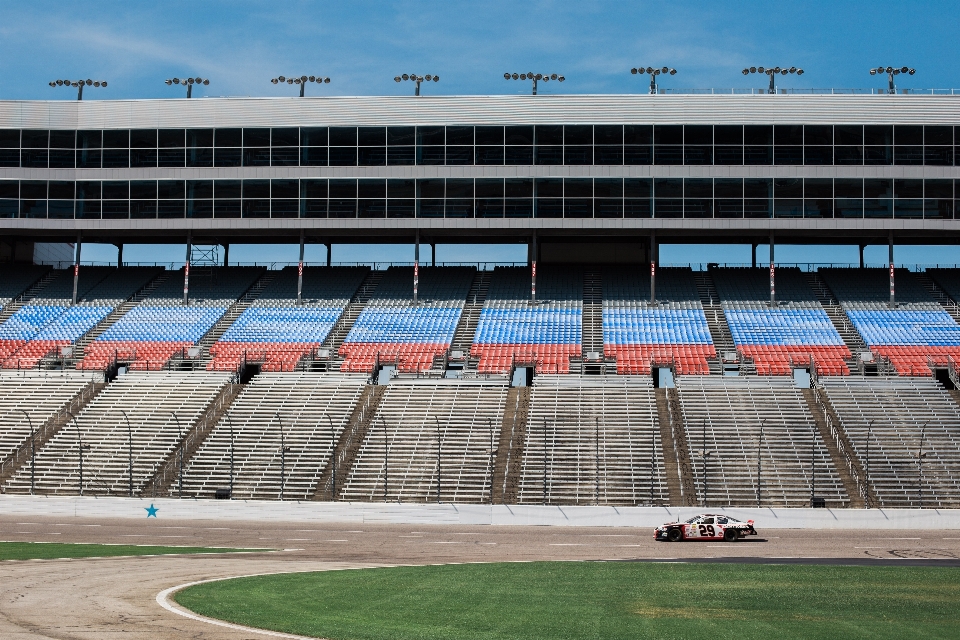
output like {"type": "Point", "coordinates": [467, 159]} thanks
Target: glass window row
{"type": "Point", "coordinates": [579, 208]}
{"type": "Point", "coordinates": [485, 145]}
{"type": "Point", "coordinates": [441, 188]}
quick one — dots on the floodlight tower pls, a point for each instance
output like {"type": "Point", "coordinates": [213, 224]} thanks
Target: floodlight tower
{"type": "Point", "coordinates": [535, 77]}
{"type": "Point", "coordinates": [79, 84]}
{"type": "Point", "coordinates": [189, 82]}
{"type": "Point", "coordinates": [302, 81]}
{"type": "Point", "coordinates": [412, 77]}
{"type": "Point", "coordinates": [772, 72]}
{"type": "Point", "coordinates": [653, 73]}
{"type": "Point", "coordinates": [892, 71]}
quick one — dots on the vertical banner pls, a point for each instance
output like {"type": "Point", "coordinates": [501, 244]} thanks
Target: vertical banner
{"type": "Point", "coordinates": [533, 280]}
{"type": "Point", "coordinates": [653, 282]}
{"type": "Point", "coordinates": [416, 279]}
{"type": "Point", "coordinates": [892, 298]}
{"type": "Point", "coordinates": [186, 281]}
{"type": "Point", "coordinates": [773, 289]}
{"type": "Point", "coordinates": [300, 281]}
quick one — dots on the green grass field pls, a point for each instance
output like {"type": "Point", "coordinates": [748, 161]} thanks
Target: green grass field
{"type": "Point", "coordinates": [573, 600]}
{"type": "Point", "coordinates": [49, 551]}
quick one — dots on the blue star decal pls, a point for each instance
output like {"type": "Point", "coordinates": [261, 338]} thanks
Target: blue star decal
{"type": "Point", "coordinates": [151, 511]}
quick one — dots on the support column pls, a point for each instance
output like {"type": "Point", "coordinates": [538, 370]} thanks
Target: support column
{"type": "Point", "coordinates": [754, 253]}
{"type": "Point", "coordinates": [226, 255]}
{"type": "Point", "coordinates": [533, 269]}
{"type": "Point", "coordinates": [653, 267]}
{"type": "Point", "coordinates": [433, 254]}
{"type": "Point", "coordinates": [773, 290]}
{"type": "Point", "coordinates": [862, 247]}
{"type": "Point", "coordinates": [416, 266]}
{"type": "Point", "coordinates": [76, 268]}
{"type": "Point", "coordinates": [329, 248]}
{"type": "Point", "coordinates": [893, 299]}
{"type": "Point", "coordinates": [186, 271]}
{"type": "Point", "coordinates": [300, 273]}
{"type": "Point", "coordinates": [119, 255]}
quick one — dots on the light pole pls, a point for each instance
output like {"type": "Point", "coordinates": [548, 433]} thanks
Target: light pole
{"type": "Point", "coordinates": [704, 454]}
{"type": "Point", "coordinates": [302, 81]}
{"type": "Point", "coordinates": [544, 461]}
{"type": "Point", "coordinates": [759, 450]}
{"type": "Point", "coordinates": [596, 461]}
{"type": "Point", "coordinates": [79, 84]}
{"type": "Point", "coordinates": [534, 77]}
{"type": "Point", "coordinates": [920, 456]}
{"type": "Point", "coordinates": [412, 77]}
{"type": "Point", "coordinates": [653, 73]}
{"type": "Point", "coordinates": [33, 453]}
{"type": "Point", "coordinates": [80, 449]}
{"type": "Point", "coordinates": [189, 82]}
{"type": "Point", "coordinates": [179, 431]}
{"type": "Point", "coordinates": [333, 459]}
{"type": "Point", "coordinates": [129, 455]}
{"type": "Point", "coordinates": [230, 424]}
{"type": "Point", "coordinates": [492, 459]}
{"type": "Point", "coordinates": [386, 458]}
{"type": "Point", "coordinates": [283, 456]}
{"type": "Point", "coordinates": [772, 72]}
{"type": "Point", "coordinates": [813, 467]}
{"type": "Point", "coordinates": [892, 71]}
{"type": "Point", "coordinates": [866, 480]}
{"type": "Point", "coordinates": [439, 445]}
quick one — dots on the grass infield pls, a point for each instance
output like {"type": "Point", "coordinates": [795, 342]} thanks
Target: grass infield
{"type": "Point", "coordinates": [597, 600]}
{"type": "Point", "coordinates": [54, 550]}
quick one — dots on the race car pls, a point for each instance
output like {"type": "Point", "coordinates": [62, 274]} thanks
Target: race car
{"type": "Point", "coordinates": [708, 526]}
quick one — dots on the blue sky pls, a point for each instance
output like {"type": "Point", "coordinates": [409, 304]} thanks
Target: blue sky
{"type": "Point", "coordinates": [362, 45]}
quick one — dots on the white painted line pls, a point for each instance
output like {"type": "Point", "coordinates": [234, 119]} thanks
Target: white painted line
{"type": "Point", "coordinates": [336, 541]}
{"type": "Point", "coordinates": [567, 544]}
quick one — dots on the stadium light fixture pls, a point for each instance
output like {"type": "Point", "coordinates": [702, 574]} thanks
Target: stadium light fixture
{"type": "Point", "coordinates": [891, 72]}
{"type": "Point", "coordinates": [412, 77]}
{"type": "Point", "coordinates": [78, 84]}
{"type": "Point", "coordinates": [534, 77]}
{"type": "Point", "coordinates": [773, 72]}
{"type": "Point", "coordinates": [653, 73]}
{"type": "Point", "coordinates": [302, 81]}
{"type": "Point", "coordinates": [189, 82]}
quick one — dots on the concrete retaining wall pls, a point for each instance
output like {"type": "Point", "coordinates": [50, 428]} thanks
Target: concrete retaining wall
{"type": "Point", "coordinates": [367, 512]}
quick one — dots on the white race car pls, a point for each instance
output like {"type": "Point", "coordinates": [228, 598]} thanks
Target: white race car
{"type": "Point", "coordinates": [708, 526]}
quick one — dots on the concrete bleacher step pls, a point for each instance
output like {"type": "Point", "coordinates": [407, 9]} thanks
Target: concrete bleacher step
{"type": "Point", "coordinates": [346, 452]}
{"type": "Point", "coordinates": [843, 456]}
{"type": "Point", "coordinates": [508, 463]}
{"type": "Point", "coordinates": [592, 318]}
{"type": "Point", "coordinates": [351, 312]}
{"type": "Point", "coordinates": [231, 315]}
{"type": "Point", "coordinates": [165, 481]}
{"type": "Point", "coordinates": [716, 321]}
{"type": "Point", "coordinates": [21, 457]}
{"type": "Point", "coordinates": [120, 311]}
{"type": "Point", "coordinates": [949, 304]}
{"type": "Point", "coordinates": [470, 316]}
{"type": "Point", "coordinates": [680, 489]}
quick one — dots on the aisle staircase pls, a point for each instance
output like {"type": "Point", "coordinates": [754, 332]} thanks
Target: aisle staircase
{"type": "Point", "coordinates": [350, 314]}
{"type": "Point", "coordinates": [509, 458]}
{"type": "Point", "coordinates": [467, 325]}
{"type": "Point", "coordinates": [716, 322]}
{"type": "Point", "coordinates": [851, 337]}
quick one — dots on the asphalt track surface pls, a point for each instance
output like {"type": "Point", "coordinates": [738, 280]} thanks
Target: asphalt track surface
{"type": "Point", "coordinates": [117, 597]}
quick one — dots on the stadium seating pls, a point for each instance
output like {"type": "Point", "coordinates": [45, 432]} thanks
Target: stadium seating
{"type": "Point", "coordinates": [637, 333]}
{"type": "Point", "coordinates": [883, 419]}
{"type": "Point", "coordinates": [547, 333]}
{"type": "Point", "coordinates": [773, 337]}
{"type": "Point", "coordinates": [17, 279]}
{"type": "Point", "coordinates": [275, 331]}
{"type": "Point", "coordinates": [40, 394]}
{"type": "Point", "coordinates": [50, 321]}
{"type": "Point", "coordinates": [917, 329]}
{"type": "Point", "coordinates": [158, 406]}
{"type": "Point", "coordinates": [599, 440]}
{"type": "Point", "coordinates": [403, 439]}
{"type": "Point", "coordinates": [391, 329]}
{"type": "Point", "coordinates": [723, 417]}
{"type": "Point", "coordinates": [160, 326]}
{"type": "Point", "coordinates": [309, 406]}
